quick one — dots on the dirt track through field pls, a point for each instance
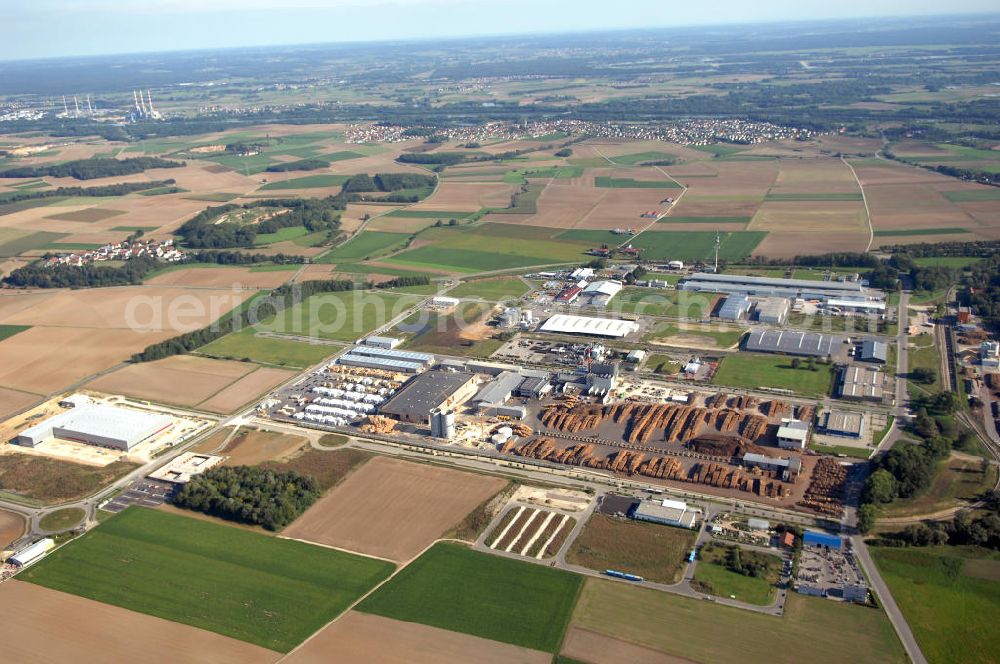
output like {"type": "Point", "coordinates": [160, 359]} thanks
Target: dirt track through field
{"type": "Point", "coordinates": [393, 509]}
{"type": "Point", "coordinates": [361, 638]}
{"type": "Point", "coordinates": [50, 626]}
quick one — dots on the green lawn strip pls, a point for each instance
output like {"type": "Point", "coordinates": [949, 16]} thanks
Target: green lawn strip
{"type": "Point", "coordinates": [642, 157]}
{"type": "Point", "coordinates": [366, 245]}
{"type": "Point", "coordinates": [661, 302]}
{"type": "Point", "coordinates": [697, 245]}
{"type": "Point", "coordinates": [493, 290]}
{"type": "Point", "coordinates": [268, 350]}
{"type": "Point", "coordinates": [63, 519]}
{"type": "Point", "coordinates": [496, 598]}
{"type": "Point", "coordinates": [465, 260]}
{"type": "Point", "coordinates": [722, 337]}
{"type": "Point", "coordinates": [921, 231]}
{"type": "Point", "coordinates": [846, 450]}
{"type": "Point", "coordinates": [952, 613]}
{"type": "Point", "coordinates": [972, 195]}
{"type": "Point", "coordinates": [720, 149]}
{"type": "Point", "coordinates": [818, 196]}
{"type": "Point", "coordinates": [607, 182]}
{"type": "Point", "coordinates": [521, 175]}
{"type": "Point", "coordinates": [10, 330]}
{"type": "Point", "coordinates": [307, 182]}
{"type": "Point", "coordinates": [71, 246]}
{"type": "Point", "coordinates": [281, 235]}
{"type": "Point", "coordinates": [773, 371]}
{"type": "Point", "coordinates": [696, 630]}
{"type": "Point", "coordinates": [132, 229]}
{"type": "Point", "coordinates": [252, 587]}
{"type": "Point", "coordinates": [959, 262]}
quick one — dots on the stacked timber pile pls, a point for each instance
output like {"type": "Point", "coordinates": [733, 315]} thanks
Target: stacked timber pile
{"type": "Point", "coordinates": [753, 427]}
{"type": "Point", "coordinates": [717, 400]}
{"type": "Point", "coordinates": [825, 493]}
{"type": "Point", "coordinates": [777, 409]}
{"type": "Point", "coordinates": [572, 417]}
{"type": "Point", "coordinates": [663, 468]}
{"type": "Point", "coordinates": [520, 429]}
{"type": "Point", "coordinates": [805, 413]}
{"type": "Point", "coordinates": [545, 449]}
{"type": "Point", "coordinates": [378, 424]}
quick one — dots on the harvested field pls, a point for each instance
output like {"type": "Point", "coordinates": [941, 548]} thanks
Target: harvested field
{"type": "Point", "coordinates": [597, 648]}
{"type": "Point", "coordinates": [250, 447]}
{"type": "Point", "coordinates": [222, 277]}
{"type": "Point", "coordinates": [393, 509]}
{"type": "Point", "coordinates": [467, 196]}
{"type": "Point", "coordinates": [364, 638]}
{"type": "Point", "coordinates": [159, 381]}
{"type": "Point", "coordinates": [87, 215]}
{"type": "Point", "coordinates": [95, 632]}
{"type": "Point", "coordinates": [825, 217]}
{"type": "Point", "coordinates": [790, 244]}
{"type": "Point", "coordinates": [650, 550]}
{"type": "Point", "coordinates": [327, 467]}
{"type": "Point", "coordinates": [263, 590]}
{"type": "Point", "coordinates": [46, 480]}
{"type": "Point", "coordinates": [246, 390]}
{"type": "Point", "coordinates": [566, 203]}
{"type": "Point", "coordinates": [11, 528]}
{"type": "Point", "coordinates": [12, 401]}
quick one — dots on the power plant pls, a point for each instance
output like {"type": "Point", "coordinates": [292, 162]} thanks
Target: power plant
{"type": "Point", "coordinates": [143, 107]}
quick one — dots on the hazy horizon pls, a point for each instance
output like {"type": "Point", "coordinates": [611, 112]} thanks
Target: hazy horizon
{"type": "Point", "coordinates": [63, 28]}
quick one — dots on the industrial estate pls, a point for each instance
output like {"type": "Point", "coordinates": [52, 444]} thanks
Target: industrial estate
{"type": "Point", "coordinates": [455, 387]}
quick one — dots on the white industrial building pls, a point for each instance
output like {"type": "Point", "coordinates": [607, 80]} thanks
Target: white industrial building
{"type": "Point", "coordinates": [599, 293]}
{"type": "Point", "coordinates": [599, 327]}
{"type": "Point", "coordinates": [735, 307]}
{"type": "Point", "coordinates": [667, 512]}
{"type": "Point", "coordinates": [792, 434]}
{"type": "Point", "coordinates": [443, 301]}
{"type": "Point", "coordinates": [32, 553]}
{"type": "Point", "coordinates": [98, 424]}
{"type": "Point", "coordinates": [186, 466]}
{"type": "Point", "coordinates": [773, 310]}
{"type": "Point", "coordinates": [386, 343]}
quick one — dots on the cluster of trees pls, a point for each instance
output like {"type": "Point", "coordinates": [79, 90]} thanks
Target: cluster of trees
{"type": "Point", "coordinates": [983, 294]}
{"type": "Point", "coordinates": [300, 165]}
{"type": "Point", "coordinates": [885, 275]}
{"type": "Point", "coordinates": [977, 248]}
{"type": "Point", "coordinates": [736, 563]}
{"type": "Point", "coordinates": [389, 183]}
{"type": "Point", "coordinates": [836, 259]}
{"type": "Point", "coordinates": [635, 275]}
{"type": "Point", "coordinates": [37, 275]}
{"type": "Point", "coordinates": [315, 214]}
{"type": "Point", "coordinates": [250, 495]}
{"type": "Point", "coordinates": [964, 529]}
{"type": "Point", "coordinates": [404, 282]}
{"type": "Point", "coordinates": [120, 189]}
{"type": "Point", "coordinates": [89, 169]}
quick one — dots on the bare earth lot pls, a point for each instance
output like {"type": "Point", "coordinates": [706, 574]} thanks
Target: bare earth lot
{"type": "Point", "coordinates": [393, 509]}
{"type": "Point", "coordinates": [11, 527]}
{"type": "Point", "coordinates": [223, 277]}
{"type": "Point", "coordinates": [246, 389]}
{"type": "Point", "coordinates": [362, 638]}
{"type": "Point", "coordinates": [250, 447]}
{"type": "Point", "coordinates": [90, 631]}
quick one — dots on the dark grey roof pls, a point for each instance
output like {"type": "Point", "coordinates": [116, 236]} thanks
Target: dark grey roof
{"type": "Point", "coordinates": [872, 350]}
{"type": "Point", "coordinates": [791, 342]}
{"type": "Point", "coordinates": [425, 392]}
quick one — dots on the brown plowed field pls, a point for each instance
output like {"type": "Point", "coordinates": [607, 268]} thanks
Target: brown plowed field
{"type": "Point", "coordinates": [246, 389]}
{"type": "Point", "coordinates": [788, 245]}
{"type": "Point", "coordinates": [564, 203]}
{"type": "Point", "coordinates": [393, 509]}
{"type": "Point", "coordinates": [600, 649]}
{"type": "Point", "coordinates": [223, 277]}
{"type": "Point", "coordinates": [183, 380]}
{"type": "Point", "coordinates": [12, 401]}
{"type": "Point", "coordinates": [468, 196]}
{"type": "Point", "coordinates": [250, 447]}
{"type": "Point", "coordinates": [50, 626]}
{"type": "Point", "coordinates": [361, 638]}
{"type": "Point", "coordinates": [11, 527]}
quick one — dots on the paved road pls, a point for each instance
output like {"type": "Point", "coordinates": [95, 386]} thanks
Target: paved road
{"type": "Point", "coordinates": [881, 591]}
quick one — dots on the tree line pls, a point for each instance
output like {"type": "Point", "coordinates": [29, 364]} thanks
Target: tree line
{"type": "Point", "coordinates": [315, 214]}
{"type": "Point", "coordinates": [983, 291]}
{"type": "Point", "coordinates": [300, 165]}
{"type": "Point", "coordinates": [250, 495]}
{"type": "Point", "coordinates": [92, 168]}
{"type": "Point", "coordinates": [120, 189]}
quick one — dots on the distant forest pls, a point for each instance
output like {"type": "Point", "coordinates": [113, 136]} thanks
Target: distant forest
{"type": "Point", "coordinates": [91, 169]}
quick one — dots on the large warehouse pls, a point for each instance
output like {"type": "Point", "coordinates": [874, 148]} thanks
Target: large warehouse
{"type": "Point", "coordinates": [809, 344]}
{"type": "Point", "coordinates": [775, 287]}
{"type": "Point", "coordinates": [98, 424]}
{"type": "Point", "coordinates": [432, 390]}
{"type": "Point", "coordinates": [598, 327]}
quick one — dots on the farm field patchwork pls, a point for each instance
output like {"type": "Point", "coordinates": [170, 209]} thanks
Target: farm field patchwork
{"type": "Point", "coordinates": [454, 588]}
{"type": "Point", "coordinates": [267, 591]}
{"type": "Point", "coordinates": [366, 245]}
{"type": "Point", "coordinates": [649, 618]}
{"type": "Point", "coordinates": [92, 631]}
{"type": "Point", "coordinates": [607, 182]}
{"type": "Point", "coordinates": [393, 509]}
{"type": "Point", "coordinates": [690, 246]}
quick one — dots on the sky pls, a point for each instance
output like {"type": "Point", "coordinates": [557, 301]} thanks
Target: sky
{"type": "Point", "coordinates": [52, 28]}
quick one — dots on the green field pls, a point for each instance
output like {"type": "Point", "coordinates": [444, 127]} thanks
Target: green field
{"type": "Point", "coordinates": [367, 244]}
{"type": "Point", "coordinates": [606, 182]}
{"type": "Point", "coordinates": [701, 631]}
{"type": "Point", "coordinates": [818, 196]}
{"type": "Point", "coordinates": [281, 235]}
{"type": "Point", "coordinates": [343, 316]}
{"type": "Point", "coordinates": [506, 600]}
{"type": "Point", "coordinates": [774, 371]}
{"type": "Point", "coordinates": [712, 576]}
{"type": "Point", "coordinates": [493, 246]}
{"type": "Point", "coordinates": [642, 157]}
{"type": "Point", "coordinates": [950, 597]}
{"type": "Point", "coordinates": [921, 231]}
{"type": "Point", "coordinates": [522, 175]}
{"type": "Point", "coordinates": [661, 302]}
{"type": "Point", "coordinates": [720, 149]}
{"type": "Point", "coordinates": [958, 262]}
{"type": "Point", "coordinates": [63, 519]}
{"type": "Point", "coordinates": [268, 350]}
{"type": "Point", "coordinates": [705, 220]}
{"type": "Point", "coordinates": [252, 587]}
{"type": "Point", "coordinates": [307, 182]}
{"type": "Point", "coordinates": [493, 290]}
{"type": "Point", "coordinates": [923, 355]}
{"type": "Point", "coordinates": [973, 195]}
{"type": "Point", "coordinates": [13, 243]}
{"type": "Point", "coordinates": [714, 335]}
{"type": "Point", "coordinates": [10, 330]}
{"type": "Point", "coordinates": [690, 246]}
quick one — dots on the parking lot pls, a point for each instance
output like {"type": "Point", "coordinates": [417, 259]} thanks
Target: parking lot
{"type": "Point", "coordinates": [144, 493]}
{"type": "Point", "coordinates": [827, 571]}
